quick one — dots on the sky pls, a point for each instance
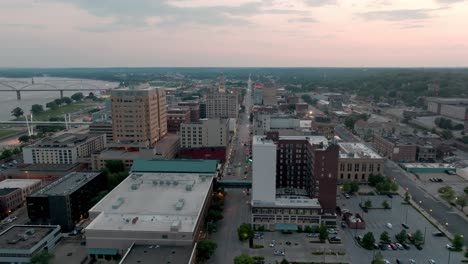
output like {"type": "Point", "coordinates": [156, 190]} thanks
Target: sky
{"type": "Point", "coordinates": [233, 33]}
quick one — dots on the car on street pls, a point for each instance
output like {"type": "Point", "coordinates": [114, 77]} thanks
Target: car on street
{"type": "Point", "coordinates": [279, 253]}
{"type": "Point", "coordinates": [406, 246]}
{"type": "Point", "coordinates": [405, 226]}
{"type": "Point", "coordinates": [450, 247]}
{"type": "Point", "coordinates": [399, 246]}
{"type": "Point", "coordinates": [313, 235]}
{"type": "Point", "coordinates": [438, 234]}
{"type": "Point", "coordinates": [343, 224]}
{"type": "Point", "coordinates": [418, 246]}
{"type": "Point", "coordinates": [398, 261]}
{"type": "Point", "coordinates": [389, 225]}
{"type": "Point", "coordinates": [386, 261]}
{"type": "Point", "coordinates": [431, 261]}
{"type": "Point", "coordinates": [273, 243]}
{"type": "Point", "coordinates": [412, 261]}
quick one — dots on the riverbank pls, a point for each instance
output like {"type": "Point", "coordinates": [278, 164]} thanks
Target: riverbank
{"type": "Point", "coordinates": [59, 112]}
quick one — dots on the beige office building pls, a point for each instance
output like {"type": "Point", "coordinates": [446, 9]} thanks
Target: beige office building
{"type": "Point", "coordinates": [357, 162]}
{"type": "Point", "coordinates": [205, 133]}
{"type": "Point", "coordinates": [222, 105]}
{"type": "Point", "coordinates": [139, 114]}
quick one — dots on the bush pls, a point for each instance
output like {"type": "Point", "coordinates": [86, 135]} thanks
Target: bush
{"type": "Point", "coordinates": [245, 231]}
{"type": "Point", "coordinates": [258, 246]}
{"type": "Point", "coordinates": [205, 249]}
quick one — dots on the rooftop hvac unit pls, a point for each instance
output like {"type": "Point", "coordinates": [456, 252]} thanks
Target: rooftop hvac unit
{"type": "Point", "coordinates": [118, 203]}
{"type": "Point", "coordinates": [135, 186]}
{"type": "Point", "coordinates": [175, 183]}
{"type": "Point", "coordinates": [188, 187]}
{"type": "Point", "coordinates": [180, 204]}
{"type": "Point", "coordinates": [168, 182]}
{"type": "Point", "coordinates": [155, 182]}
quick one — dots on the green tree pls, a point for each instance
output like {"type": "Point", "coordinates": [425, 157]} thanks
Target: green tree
{"type": "Point", "coordinates": [214, 215]}
{"type": "Point", "coordinates": [402, 236]}
{"type": "Point", "coordinates": [115, 166]}
{"type": "Point", "coordinates": [291, 107]}
{"type": "Point", "coordinates": [368, 240]}
{"type": "Point", "coordinates": [457, 242]}
{"type": "Point", "coordinates": [67, 100]}
{"type": "Point", "coordinates": [368, 204]}
{"type": "Point", "coordinates": [42, 257]}
{"type": "Point", "coordinates": [308, 229]}
{"type": "Point", "coordinates": [385, 204]}
{"type": "Point", "coordinates": [16, 151]}
{"type": "Point", "coordinates": [58, 101]}
{"type": "Point", "coordinates": [354, 186]}
{"type": "Point", "coordinates": [17, 112]}
{"type": "Point", "coordinates": [378, 258]}
{"type": "Point", "coordinates": [375, 179]}
{"type": "Point", "coordinates": [284, 261]}
{"type": "Point", "coordinates": [447, 134]}
{"type": "Point", "coordinates": [384, 237]}
{"type": "Point", "coordinates": [418, 237]}
{"type": "Point", "coordinates": [349, 122]}
{"type": "Point", "coordinates": [244, 259]}
{"type": "Point", "coordinates": [6, 154]}
{"type": "Point", "coordinates": [24, 139]}
{"type": "Point", "coordinates": [407, 197]}
{"type": "Point", "coordinates": [37, 109]}
{"type": "Point", "coordinates": [77, 96]}
{"type": "Point", "coordinates": [245, 231]}
{"type": "Point", "coordinates": [210, 228]}
{"type": "Point", "coordinates": [323, 232]}
{"type": "Point", "coordinates": [461, 201]}
{"type": "Point", "coordinates": [205, 249]}
{"type": "Point", "coordinates": [464, 139]}
{"type": "Point", "coordinates": [52, 105]}
{"type": "Point", "coordinates": [466, 190]}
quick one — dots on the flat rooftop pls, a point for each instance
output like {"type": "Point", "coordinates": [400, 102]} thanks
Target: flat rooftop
{"type": "Point", "coordinates": [357, 151]}
{"type": "Point", "coordinates": [313, 140]}
{"type": "Point", "coordinates": [154, 202]}
{"type": "Point", "coordinates": [63, 141]}
{"type": "Point", "coordinates": [291, 201]}
{"type": "Point", "coordinates": [167, 142]}
{"type": "Point", "coordinates": [67, 184]}
{"type": "Point", "coordinates": [18, 183]}
{"type": "Point", "coordinates": [11, 238]}
{"type": "Point", "coordinates": [429, 165]}
{"type": "Point", "coordinates": [5, 191]}
{"type": "Point", "coordinates": [158, 254]}
{"type": "Point", "coordinates": [49, 167]}
{"type": "Point", "coordinates": [175, 166]}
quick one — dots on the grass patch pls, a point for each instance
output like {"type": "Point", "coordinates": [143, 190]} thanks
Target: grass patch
{"type": "Point", "coordinates": [7, 133]}
{"type": "Point", "coordinates": [258, 246]}
{"type": "Point", "coordinates": [59, 112]}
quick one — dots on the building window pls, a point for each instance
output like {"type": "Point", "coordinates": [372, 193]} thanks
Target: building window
{"type": "Point", "coordinates": [356, 167]}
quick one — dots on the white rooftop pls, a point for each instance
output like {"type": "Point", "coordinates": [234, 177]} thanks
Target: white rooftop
{"type": "Point", "coordinates": [158, 202]}
{"type": "Point", "coordinates": [291, 201]}
{"type": "Point", "coordinates": [429, 165]}
{"type": "Point", "coordinates": [313, 140]}
{"type": "Point", "coordinates": [357, 151]}
{"type": "Point", "coordinates": [18, 183]}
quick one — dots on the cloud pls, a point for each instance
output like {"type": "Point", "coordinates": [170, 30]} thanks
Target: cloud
{"type": "Point", "coordinates": [398, 14]}
{"type": "Point", "coordinates": [303, 20]}
{"type": "Point", "coordinates": [320, 2]}
{"type": "Point", "coordinates": [449, 1]}
{"type": "Point", "coordinates": [132, 14]}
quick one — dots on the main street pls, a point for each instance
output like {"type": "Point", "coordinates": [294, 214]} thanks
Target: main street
{"type": "Point", "coordinates": [453, 222]}
{"type": "Point", "coordinates": [236, 209]}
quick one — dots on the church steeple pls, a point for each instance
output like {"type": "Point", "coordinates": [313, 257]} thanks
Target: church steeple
{"type": "Point", "coordinates": [221, 87]}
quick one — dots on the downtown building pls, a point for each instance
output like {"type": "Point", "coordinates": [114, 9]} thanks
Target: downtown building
{"type": "Point", "coordinates": [222, 105]}
{"type": "Point", "coordinates": [357, 162]}
{"type": "Point", "coordinates": [205, 139]}
{"type": "Point", "coordinates": [139, 114]}
{"type": "Point", "coordinates": [294, 181]}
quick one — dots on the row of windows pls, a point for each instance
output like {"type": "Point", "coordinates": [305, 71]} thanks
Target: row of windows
{"type": "Point", "coordinates": [359, 167]}
{"type": "Point", "coordinates": [285, 211]}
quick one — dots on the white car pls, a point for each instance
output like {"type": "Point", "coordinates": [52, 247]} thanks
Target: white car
{"type": "Point", "coordinates": [431, 261]}
{"type": "Point", "coordinates": [450, 247]}
{"type": "Point", "coordinates": [389, 225]}
{"type": "Point", "coordinates": [279, 253]}
{"type": "Point", "coordinates": [386, 261]}
{"type": "Point", "coordinates": [272, 244]}
{"type": "Point", "coordinates": [412, 261]}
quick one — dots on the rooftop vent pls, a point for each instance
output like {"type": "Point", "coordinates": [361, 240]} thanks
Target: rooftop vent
{"type": "Point", "coordinates": [118, 203]}
{"type": "Point", "coordinates": [135, 186]}
{"type": "Point", "coordinates": [155, 182]}
{"type": "Point", "coordinates": [180, 204]}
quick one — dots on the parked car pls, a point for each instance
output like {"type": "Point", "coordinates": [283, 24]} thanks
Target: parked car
{"type": "Point", "coordinates": [394, 247]}
{"type": "Point", "coordinates": [431, 261]}
{"type": "Point", "coordinates": [343, 224]}
{"type": "Point", "coordinates": [389, 225]}
{"type": "Point", "coordinates": [398, 261]}
{"type": "Point", "coordinates": [438, 234]}
{"type": "Point", "coordinates": [272, 244]}
{"type": "Point", "coordinates": [450, 247]}
{"type": "Point", "coordinates": [313, 235]}
{"type": "Point", "coordinates": [335, 239]}
{"type": "Point", "coordinates": [406, 246]}
{"type": "Point", "coordinates": [412, 261]}
{"type": "Point", "coordinates": [405, 226]}
{"type": "Point", "coordinates": [399, 246]}
{"type": "Point", "coordinates": [332, 231]}
{"type": "Point", "coordinates": [279, 253]}
{"type": "Point", "coordinates": [386, 261]}
{"type": "Point", "coordinates": [347, 196]}
{"type": "Point", "coordinates": [418, 246]}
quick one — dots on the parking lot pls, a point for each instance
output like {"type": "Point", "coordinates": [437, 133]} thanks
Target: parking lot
{"type": "Point", "coordinates": [297, 247]}
{"type": "Point", "coordinates": [376, 220]}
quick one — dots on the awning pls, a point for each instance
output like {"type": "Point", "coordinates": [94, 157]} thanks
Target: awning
{"type": "Point", "coordinates": [103, 251]}
{"type": "Point", "coordinates": [286, 227]}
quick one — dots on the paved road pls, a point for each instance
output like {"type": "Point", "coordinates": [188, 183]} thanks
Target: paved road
{"type": "Point", "coordinates": [236, 211]}
{"type": "Point", "coordinates": [438, 210]}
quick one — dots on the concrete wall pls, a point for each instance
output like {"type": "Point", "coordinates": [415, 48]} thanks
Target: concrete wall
{"type": "Point", "coordinates": [264, 171]}
{"type": "Point", "coordinates": [454, 111]}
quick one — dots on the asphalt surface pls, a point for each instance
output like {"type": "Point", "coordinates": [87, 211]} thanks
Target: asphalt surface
{"type": "Point", "coordinates": [445, 215]}
{"type": "Point", "coordinates": [345, 134]}
{"type": "Point", "coordinates": [236, 209]}
{"type": "Point", "coordinates": [376, 220]}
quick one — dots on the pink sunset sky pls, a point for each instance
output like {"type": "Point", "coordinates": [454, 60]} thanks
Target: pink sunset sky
{"type": "Point", "coordinates": [255, 33]}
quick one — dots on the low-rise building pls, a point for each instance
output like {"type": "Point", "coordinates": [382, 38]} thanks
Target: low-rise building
{"type": "Point", "coordinates": [27, 186]}
{"type": "Point", "coordinates": [395, 148]}
{"type": "Point", "coordinates": [357, 162]}
{"type": "Point", "coordinates": [179, 192]}
{"type": "Point", "coordinates": [176, 116]}
{"type": "Point", "coordinates": [205, 133]}
{"type": "Point", "coordinates": [323, 126]}
{"type": "Point", "coordinates": [64, 149]}
{"type": "Point", "coordinates": [165, 148]}
{"type": "Point", "coordinates": [102, 127]}
{"type": "Point", "coordinates": [66, 201]}
{"type": "Point", "coordinates": [429, 167]}
{"type": "Point", "coordinates": [19, 243]}
{"type": "Point", "coordinates": [10, 199]}
{"type": "Point", "coordinates": [194, 108]}
{"type": "Point", "coordinates": [456, 108]}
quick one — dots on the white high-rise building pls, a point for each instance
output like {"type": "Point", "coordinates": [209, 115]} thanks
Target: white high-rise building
{"type": "Point", "coordinates": [263, 170]}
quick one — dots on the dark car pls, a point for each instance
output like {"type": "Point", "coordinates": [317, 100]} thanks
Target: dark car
{"type": "Point", "coordinates": [438, 234]}
{"type": "Point", "coordinates": [365, 209]}
{"type": "Point", "coordinates": [406, 246]}
{"type": "Point", "coordinates": [398, 261]}
{"type": "Point", "coordinates": [390, 195]}
{"type": "Point", "coordinates": [405, 226]}
{"type": "Point", "coordinates": [288, 243]}
{"type": "Point", "coordinates": [418, 246]}
{"type": "Point", "coordinates": [383, 247]}
{"type": "Point", "coordinates": [343, 224]}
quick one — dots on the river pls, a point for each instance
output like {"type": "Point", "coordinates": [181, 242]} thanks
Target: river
{"type": "Point", "coordinates": [8, 100]}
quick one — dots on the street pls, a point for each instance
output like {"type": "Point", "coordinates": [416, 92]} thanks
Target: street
{"type": "Point", "coordinates": [236, 209]}
{"type": "Point", "coordinates": [438, 210]}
